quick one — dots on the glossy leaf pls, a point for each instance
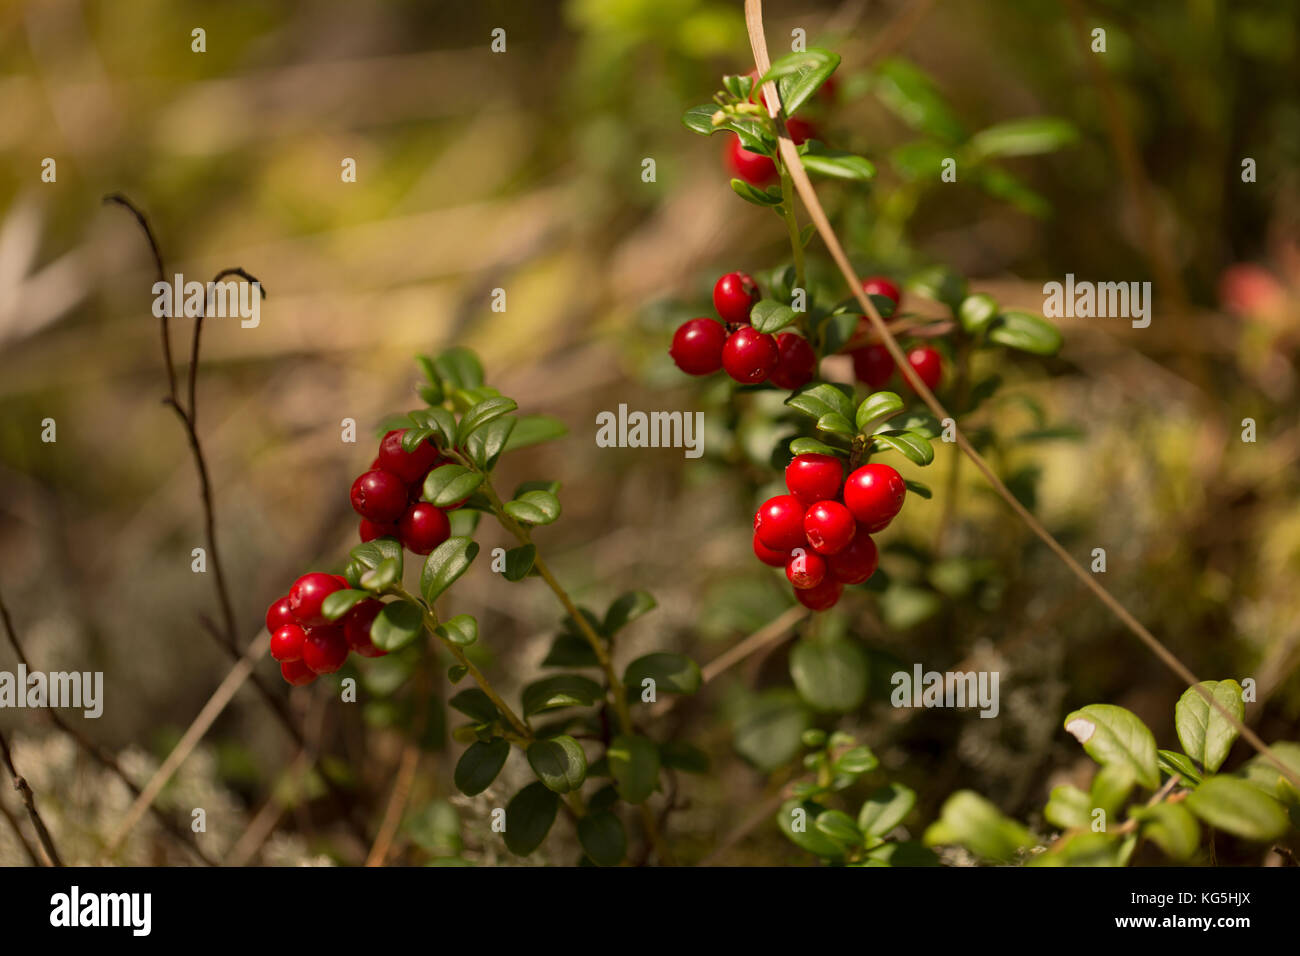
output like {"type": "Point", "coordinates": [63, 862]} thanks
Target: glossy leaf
{"type": "Point", "coordinates": [885, 809]}
{"type": "Point", "coordinates": [559, 762]}
{"type": "Point", "coordinates": [634, 763]}
{"type": "Point", "coordinates": [671, 673]}
{"type": "Point", "coordinates": [603, 838]}
{"type": "Point", "coordinates": [562, 690]}
{"type": "Point", "coordinates": [338, 604]}
{"type": "Point", "coordinates": [519, 561]}
{"type": "Point", "coordinates": [1205, 734]}
{"type": "Point", "coordinates": [461, 630]}
{"type": "Point", "coordinates": [534, 507]}
{"type": "Point", "coordinates": [445, 564]}
{"type": "Point", "coordinates": [479, 765]}
{"type": "Point", "coordinates": [625, 609]}
{"type": "Point", "coordinates": [769, 316]}
{"type": "Point", "coordinates": [876, 408]}
{"type": "Point", "coordinates": [831, 675]}
{"type": "Point", "coordinates": [822, 399]}
{"type": "Point", "coordinates": [397, 625]}
{"type": "Point", "coordinates": [1233, 805]}
{"type": "Point", "coordinates": [1113, 735]}
{"type": "Point", "coordinates": [529, 817]}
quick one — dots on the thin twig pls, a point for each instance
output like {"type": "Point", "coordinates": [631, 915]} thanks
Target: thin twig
{"type": "Point", "coordinates": [29, 801]}
{"type": "Point", "coordinates": [18, 832]}
{"type": "Point", "coordinates": [396, 804]}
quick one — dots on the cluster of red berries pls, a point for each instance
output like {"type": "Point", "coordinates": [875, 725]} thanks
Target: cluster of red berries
{"type": "Point", "coordinates": [388, 496]}
{"type": "Point", "coordinates": [821, 531]}
{"type": "Point", "coordinates": [703, 346]}
{"type": "Point", "coordinates": [874, 366]}
{"type": "Point", "coordinates": [305, 642]}
{"type": "Point", "coordinates": [755, 168]}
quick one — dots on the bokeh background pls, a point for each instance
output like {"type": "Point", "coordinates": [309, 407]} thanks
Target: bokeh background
{"type": "Point", "coordinates": [522, 171]}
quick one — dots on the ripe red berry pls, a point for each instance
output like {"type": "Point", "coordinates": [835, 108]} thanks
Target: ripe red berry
{"type": "Point", "coordinates": [409, 466]}
{"type": "Point", "coordinates": [734, 295]}
{"type": "Point", "coordinates": [879, 285]}
{"type": "Point", "coordinates": [286, 643]}
{"type": "Point", "coordinates": [697, 346]}
{"type": "Point", "coordinates": [779, 523]}
{"type": "Point", "coordinates": [796, 362]}
{"type": "Point", "coordinates": [297, 673]}
{"type": "Point", "coordinates": [370, 530]}
{"type": "Point", "coordinates": [805, 569]}
{"type": "Point", "coordinates": [325, 649]}
{"type": "Point", "coordinates": [874, 494]}
{"type": "Point", "coordinates": [307, 595]}
{"type": "Point", "coordinates": [749, 356]}
{"type": "Point", "coordinates": [423, 528]}
{"type": "Point", "coordinates": [379, 495]}
{"type": "Point", "coordinates": [800, 131]}
{"type": "Point", "coordinates": [812, 478]}
{"type": "Point", "coordinates": [928, 365]}
{"type": "Point", "coordinates": [776, 559]}
{"type": "Point", "coordinates": [754, 168]}
{"type": "Point", "coordinates": [822, 597]}
{"type": "Point", "coordinates": [357, 624]}
{"type": "Point", "coordinates": [857, 562]}
{"type": "Point", "coordinates": [279, 614]}
{"type": "Point", "coordinates": [873, 366]}
{"type": "Point", "coordinates": [829, 527]}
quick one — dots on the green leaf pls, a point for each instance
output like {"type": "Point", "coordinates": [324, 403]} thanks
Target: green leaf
{"type": "Point", "coordinates": [801, 80]}
{"type": "Point", "coordinates": [340, 602]}
{"type": "Point", "coordinates": [1001, 184]}
{"type": "Point", "coordinates": [476, 705]}
{"type": "Point", "coordinates": [388, 573]}
{"type": "Point", "coordinates": [1205, 734]}
{"type": "Point", "coordinates": [430, 389]}
{"type": "Point", "coordinates": [372, 554]}
{"type": "Point", "coordinates": [448, 484]}
{"type": "Point", "coordinates": [603, 838]}
{"type": "Point", "coordinates": [839, 826]}
{"type": "Point", "coordinates": [876, 408]}
{"type": "Point", "coordinates": [919, 488]}
{"type": "Point", "coordinates": [440, 421]}
{"type": "Point", "coordinates": [752, 194]}
{"type": "Point", "coordinates": [679, 755]}
{"type": "Point", "coordinates": [1233, 805]}
{"type": "Point", "coordinates": [767, 731]}
{"type": "Point", "coordinates": [977, 311]}
{"type": "Point", "coordinates": [798, 821]}
{"type": "Point", "coordinates": [1069, 808]}
{"type": "Point", "coordinates": [519, 561]}
{"type": "Point", "coordinates": [920, 160]}
{"type": "Point", "coordinates": [771, 316]}
{"type": "Point", "coordinates": [831, 675]}
{"type": "Point", "coordinates": [445, 564]}
{"type": "Point", "coordinates": [481, 414]}
{"type": "Point", "coordinates": [413, 438]}
{"type": "Point", "coordinates": [534, 430]}
{"type": "Point", "coordinates": [940, 285]}
{"type": "Point", "coordinates": [822, 399]}
{"type": "Point", "coordinates": [460, 368]}
{"type": "Point", "coordinates": [1172, 762]}
{"type": "Point", "coordinates": [485, 446]}
{"type": "Point", "coordinates": [397, 625]}
{"type": "Point", "coordinates": [671, 673]}
{"type": "Point", "coordinates": [913, 98]}
{"type": "Point", "coordinates": [1113, 735]}
{"type": "Point", "coordinates": [634, 764]}
{"type": "Point", "coordinates": [1023, 137]}
{"type": "Point", "coordinates": [699, 119]}
{"type": "Point", "coordinates": [529, 816]}
{"type": "Point", "coordinates": [857, 761]}
{"type": "Point", "coordinates": [811, 446]}
{"type": "Point", "coordinates": [562, 690]}
{"type": "Point", "coordinates": [885, 809]}
{"type": "Point", "coordinates": [910, 445]}
{"type": "Point", "coordinates": [1259, 772]}
{"type": "Point", "coordinates": [534, 507]}
{"type": "Point", "coordinates": [904, 853]}
{"type": "Point", "coordinates": [626, 609]}
{"type": "Point", "coordinates": [1111, 786]}
{"type": "Point", "coordinates": [559, 762]}
{"type": "Point", "coordinates": [461, 630]}
{"type": "Point", "coordinates": [479, 765]}
{"type": "Point", "coordinates": [1172, 828]}
{"type": "Point", "coordinates": [967, 819]}
{"type": "Point", "coordinates": [570, 650]}
{"type": "Point", "coordinates": [1025, 333]}
{"type": "Point", "coordinates": [836, 424]}
{"type": "Point", "coordinates": [837, 164]}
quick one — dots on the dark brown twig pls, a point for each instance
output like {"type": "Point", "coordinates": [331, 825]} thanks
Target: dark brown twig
{"type": "Point", "coordinates": [29, 801]}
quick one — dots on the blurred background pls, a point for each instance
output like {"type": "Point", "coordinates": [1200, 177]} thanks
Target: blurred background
{"type": "Point", "coordinates": [522, 170]}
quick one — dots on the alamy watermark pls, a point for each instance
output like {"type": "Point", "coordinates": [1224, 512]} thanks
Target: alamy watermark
{"type": "Point", "coordinates": [1103, 300]}
{"type": "Point", "coordinates": [639, 429]}
{"type": "Point", "coordinates": [77, 689]}
{"type": "Point", "coordinates": [948, 689]}
{"type": "Point", "coordinates": [222, 300]}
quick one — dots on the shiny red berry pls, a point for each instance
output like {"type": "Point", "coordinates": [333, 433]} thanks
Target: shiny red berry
{"type": "Point", "coordinates": [754, 168]}
{"type": "Point", "coordinates": [822, 597]}
{"type": "Point", "coordinates": [297, 673]}
{"type": "Point", "coordinates": [423, 528]}
{"type": "Point", "coordinates": [279, 614]}
{"type": "Point", "coordinates": [749, 355]}
{"type": "Point", "coordinates": [857, 562]}
{"type": "Point", "coordinates": [796, 362]}
{"type": "Point", "coordinates": [829, 527]}
{"type": "Point", "coordinates": [325, 649]}
{"type": "Point", "coordinates": [805, 569]}
{"type": "Point", "coordinates": [874, 494]}
{"type": "Point", "coordinates": [357, 624]}
{"type": "Point", "coordinates": [370, 530]}
{"type": "Point", "coordinates": [286, 643]}
{"type": "Point", "coordinates": [879, 285]}
{"type": "Point", "coordinates": [928, 365]}
{"type": "Point", "coordinates": [812, 478]}
{"type": "Point", "coordinates": [308, 594]}
{"type": "Point", "coordinates": [734, 295]}
{"type": "Point", "coordinates": [776, 559]}
{"type": "Point", "coordinates": [697, 346]}
{"type": "Point", "coordinates": [409, 466]}
{"type": "Point", "coordinates": [873, 366]}
{"type": "Point", "coordinates": [379, 495]}
{"type": "Point", "coordinates": [779, 523]}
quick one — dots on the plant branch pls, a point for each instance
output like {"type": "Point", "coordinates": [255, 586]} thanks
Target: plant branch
{"type": "Point", "coordinates": [29, 801]}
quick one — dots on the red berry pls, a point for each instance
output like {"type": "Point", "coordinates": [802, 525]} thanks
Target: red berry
{"type": "Point", "coordinates": [423, 528]}
{"type": "Point", "coordinates": [370, 530]}
{"type": "Point", "coordinates": [857, 562]}
{"type": "Point", "coordinates": [813, 478]}
{"type": "Point", "coordinates": [734, 295]}
{"type": "Point", "coordinates": [829, 527]}
{"type": "Point", "coordinates": [409, 466]}
{"type": "Point", "coordinates": [800, 131]}
{"type": "Point", "coordinates": [776, 559]}
{"type": "Point", "coordinates": [286, 643]}
{"type": "Point", "coordinates": [697, 346]}
{"type": "Point", "coordinates": [325, 649]}
{"type": "Point", "coordinates": [307, 595]}
{"type": "Point", "coordinates": [928, 365]}
{"type": "Point", "coordinates": [754, 168]}
{"type": "Point", "coordinates": [879, 285]}
{"type": "Point", "coordinates": [297, 673]}
{"type": "Point", "coordinates": [357, 624]}
{"type": "Point", "coordinates": [749, 356]}
{"type": "Point", "coordinates": [805, 569]}
{"type": "Point", "coordinates": [873, 366]}
{"type": "Point", "coordinates": [379, 495]}
{"type": "Point", "coordinates": [796, 362]}
{"type": "Point", "coordinates": [279, 614]}
{"type": "Point", "coordinates": [779, 523]}
{"type": "Point", "coordinates": [1248, 289]}
{"type": "Point", "coordinates": [822, 597]}
{"type": "Point", "coordinates": [874, 494]}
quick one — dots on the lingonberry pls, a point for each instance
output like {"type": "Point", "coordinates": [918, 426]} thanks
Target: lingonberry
{"type": "Point", "coordinates": [297, 673]}
{"type": "Point", "coordinates": [409, 466]}
{"type": "Point", "coordinates": [812, 478]}
{"type": "Point", "coordinates": [697, 346]}
{"type": "Point", "coordinates": [307, 595]}
{"type": "Point", "coordinates": [874, 494]}
{"type": "Point", "coordinates": [821, 597]}
{"type": "Point", "coordinates": [279, 614]}
{"type": "Point", "coordinates": [379, 495]}
{"type": "Point", "coordinates": [754, 168]}
{"type": "Point", "coordinates": [779, 523]}
{"type": "Point", "coordinates": [880, 285]}
{"type": "Point", "coordinates": [286, 642]}
{"type": "Point", "coordinates": [357, 624]}
{"type": "Point", "coordinates": [795, 363]}
{"type": "Point", "coordinates": [873, 366]}
{"type": "Point", "coordinates": [734, 295]}
{"type": "Point", "coordinates": [805, 569]}
{"type": "Point", "coordinates": [325, 649]}
{"type": "Point", "coordinates": [857, 562]}
{"type": "Point", "coordinates": [371, 530]}
{"type": "Point", "coordinates": [749, 355]}
{"type": "Point", "coordinates": [423, 528]}
{"type": "Point", "coordinates": [829, 527]}
{"type": "Point", "coordinates": [776, 559]}
{"type": "Point", "coordinates": [800, 131]}
{"type": "Point", "coordinates": [928, 365]}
